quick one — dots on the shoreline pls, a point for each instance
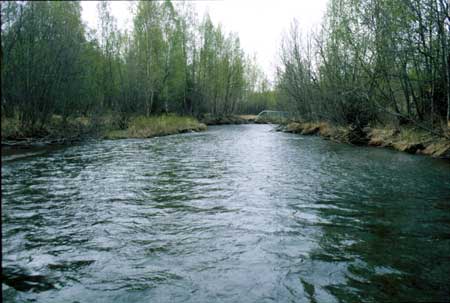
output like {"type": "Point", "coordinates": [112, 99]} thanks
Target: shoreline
{"type": "Point", "coordinates": [139, 127]}
{"type": "Point", "coordinates": [404, 139]}
{"type": "Point", "coordinates": [227, 119]}
{"type": "Point", "coordinates": [155, 126]}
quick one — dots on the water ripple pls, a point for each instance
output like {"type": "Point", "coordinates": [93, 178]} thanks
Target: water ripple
{"type": "Point", "coordinates": [234, 214]}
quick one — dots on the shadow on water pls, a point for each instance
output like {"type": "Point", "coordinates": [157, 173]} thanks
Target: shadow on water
{"type": "Point", "coordinates": [384, 230]}
{"type": "Point", "coordinates": [20, 279]}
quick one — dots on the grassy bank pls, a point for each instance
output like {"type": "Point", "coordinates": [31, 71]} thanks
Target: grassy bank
{"type": "Point", "coordinates": [406, 139]}
{"type": "Point", "coordinates": [147, 127]}
{"type": "Point", "coordinates": [57, 131]}
{"type": "Point", "coordinates": [209, 119]}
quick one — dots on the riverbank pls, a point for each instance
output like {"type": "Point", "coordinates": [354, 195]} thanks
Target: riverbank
{"type": "Point", "coordinates": [15, 138]}
{"type": "Point", "coordinates": [406, 139]}
{"type": "Point", "coordinates": [71, 131]}
{"type": "Point", "coordinates": [147, 127]}
{"type": "Point", "coordinates": [209, 119]}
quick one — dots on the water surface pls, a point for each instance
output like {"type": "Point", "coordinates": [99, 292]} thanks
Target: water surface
{"type": "Point", "coordinates": [234, 214]}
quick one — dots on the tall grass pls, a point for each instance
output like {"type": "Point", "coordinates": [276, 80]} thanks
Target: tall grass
{"type": "Point", "coordinates": [145, 127]}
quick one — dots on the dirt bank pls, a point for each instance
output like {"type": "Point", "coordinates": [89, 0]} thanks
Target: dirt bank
{"type": "Point", "coordinates": [228, 119]}
{"type": "Point", "coordinates": [405, 139]}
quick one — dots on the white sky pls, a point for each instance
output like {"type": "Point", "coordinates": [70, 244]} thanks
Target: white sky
{"type": "Point", "coordinates": [259, 23]}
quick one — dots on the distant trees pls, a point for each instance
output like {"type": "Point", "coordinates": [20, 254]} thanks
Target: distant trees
{"type": "Point", "coordinates": [169, 62]}
{"type": "Point", "coordinates": [259, 94]}
{"type": "Point", "coordinates": [370, 61]}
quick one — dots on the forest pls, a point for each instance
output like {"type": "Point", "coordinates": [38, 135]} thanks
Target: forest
{"type": "Point", "coordinates": [370, 62]}
{"type": "Point", "coordinates": [170, 62]}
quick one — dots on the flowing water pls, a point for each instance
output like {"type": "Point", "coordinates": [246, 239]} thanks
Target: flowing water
{"type": "Point", "coordinates": [234, 214]}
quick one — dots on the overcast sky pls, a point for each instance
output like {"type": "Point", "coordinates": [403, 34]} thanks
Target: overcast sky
{"type": "Point", "coordinates": [259, 23]}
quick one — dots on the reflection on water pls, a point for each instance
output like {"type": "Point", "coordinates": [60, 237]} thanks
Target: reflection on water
{"type": "Point", "coordinates": [235, 214]}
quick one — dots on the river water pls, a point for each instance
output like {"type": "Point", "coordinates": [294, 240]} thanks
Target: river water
{"type": "Point", "coordinates": [234, 214]}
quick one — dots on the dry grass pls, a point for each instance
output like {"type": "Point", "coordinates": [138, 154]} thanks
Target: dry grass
{"type": "Point", "coordinates": [139, 127]}
{"type": "Point", "coordinates": [411, 140]}
{"type": "Point", "coordinates": [324, 129]}
{"type": "Point", "coordinates": [146, 127]}
{"type": "Point", "coordinates": [440, 148]}
{"type": "Point", "coordinates": [407, 139]}
{"type": "Point", "coordinates": [388, 136]}
{"type": "Point", "coordinates": [12, 129]}
{"type": "Point", "coordinates": [248, 117]}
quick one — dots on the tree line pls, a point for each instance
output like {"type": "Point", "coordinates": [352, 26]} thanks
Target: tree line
{"type": "Point", "coordinates": [53, 64]}
{"type": "Point", "coordinates": [371, 62]}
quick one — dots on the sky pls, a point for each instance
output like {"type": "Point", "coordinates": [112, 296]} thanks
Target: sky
{"type": "Point", "coordinates": [259, 23]}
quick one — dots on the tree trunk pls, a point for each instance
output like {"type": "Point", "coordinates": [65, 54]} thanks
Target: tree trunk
{"type": "Point", "coordinates": [152, 95]}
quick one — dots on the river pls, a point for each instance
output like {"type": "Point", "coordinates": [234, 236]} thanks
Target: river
{"type": "Point", "coordinates": [234, 214]}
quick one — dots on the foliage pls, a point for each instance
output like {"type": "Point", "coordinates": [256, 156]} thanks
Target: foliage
{"type": "Point", "coordinates": [168, 63]}
{"type": "Point", "coordinates": [373, 61]}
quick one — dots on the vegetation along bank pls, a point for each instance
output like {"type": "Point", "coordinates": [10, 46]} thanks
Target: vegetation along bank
{"type": "Point", "coordinates": [410, 140]}
{"type": "Point", "coordinates": [63, 81]}
{"type": "Point", "coordinates": [374, 72]}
